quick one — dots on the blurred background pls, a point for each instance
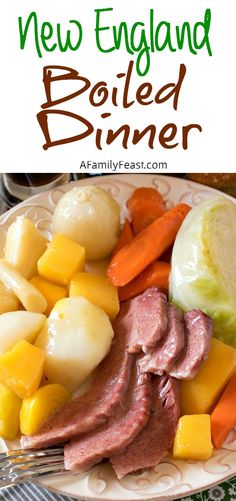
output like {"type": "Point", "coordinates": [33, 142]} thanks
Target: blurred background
{"type": "Point", "coordinates": [17, 187]}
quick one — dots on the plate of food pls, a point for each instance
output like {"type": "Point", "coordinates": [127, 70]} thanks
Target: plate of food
{"type": "Point", "coordinates": [118, 335]}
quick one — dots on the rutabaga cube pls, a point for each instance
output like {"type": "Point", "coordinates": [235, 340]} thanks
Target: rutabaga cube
{"type": "Point", "coordinates": [198, 395]}
{"type": "Point", "coordinates": [62, 259]}
{"type": "Point", "coordinates": [97, 289]}
{"type": "Point", "coordinates": [21, 368]}
{"type": "Point", "coordinates": [10, 405]}
{"type": "Point", "coordinates": [40, 405]}
{"type": "Point", "coordinates": [193, 438]}
{"type": "Point", "coordinates": [51, 292]}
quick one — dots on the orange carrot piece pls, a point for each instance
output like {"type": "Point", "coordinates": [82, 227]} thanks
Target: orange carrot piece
{"type": "Point", "coordinates": [145, 194]}
{"type": "Point", "coordinates": [223, 417]}
{"type": "Point", "coordinates": [126, 235]}
{"type": "Point", "coordinates": [156, 275]}
{"type": "Point", "coordinates": [143, 214]}
{"type": "Point", "coordinates": [147, 246]}
{"type": "Point", "coordinates": [145, 205]}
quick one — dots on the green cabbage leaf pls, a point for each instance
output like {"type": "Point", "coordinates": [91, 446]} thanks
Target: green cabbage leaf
{"type": "Point", "coordinates": [203, 267]}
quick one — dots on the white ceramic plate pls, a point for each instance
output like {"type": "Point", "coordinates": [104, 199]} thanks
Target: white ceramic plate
{"type": "Point", "coordinates": [170, 479]}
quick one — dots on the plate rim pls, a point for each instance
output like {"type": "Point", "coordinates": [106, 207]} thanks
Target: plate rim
{"type": "Point", "coordinates": [170, 497]}
{"type": "Point", "coordinates": [102, 180]}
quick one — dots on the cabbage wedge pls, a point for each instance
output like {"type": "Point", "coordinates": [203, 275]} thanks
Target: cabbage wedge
{"type": "Point", "coordinates": [203, 271]}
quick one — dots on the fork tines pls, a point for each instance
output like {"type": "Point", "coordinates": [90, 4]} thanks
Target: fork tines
{"type": "Point", "coordinates": [23, 465]}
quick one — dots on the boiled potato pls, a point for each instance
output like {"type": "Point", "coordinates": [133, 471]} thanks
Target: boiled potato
{"type": "Point", "coordinates": [18, 325]}
{"type": "Point", "coordinates": [89, 215]}
{"type": "Point", "coordinates": [8, 300]}
{"type": "Point", "coordinates": [24, 246]}
{"type": "Point", "coordinates": [26, 292]}
{"type": "Point", "coordinates": [76, 337]}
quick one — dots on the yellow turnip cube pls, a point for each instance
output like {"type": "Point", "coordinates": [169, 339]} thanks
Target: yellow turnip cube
{"type": "Point", "coordinates": [62, 259]}
{"type": "Point", "coordinates": [193, 438]}
{"type": "Point", "coordinates": [21, 368]}
{"type": "Point", "coordinates": [10, 405]}
{"type": "Point", "coordinates": [198, 395]}
{"type": "Point", "coordinates": [41, 404]}
{"type": "Point", "coordinates": [51, 292]}
{"type": "Point", "coordinates": [98, 290]}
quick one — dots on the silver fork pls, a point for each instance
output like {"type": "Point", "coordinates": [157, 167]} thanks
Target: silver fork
{"type": "Point", "coordinates": [26, 464]}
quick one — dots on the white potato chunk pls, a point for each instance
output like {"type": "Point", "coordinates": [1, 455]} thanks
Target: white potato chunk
{"type": "Point", "coordinates": [27, 293]}
{"type": "Point", "coordinates": [90, 216]}
{"type": "Point", "coordinates": [18, 325]}
{"type": "Point", "coordinates": [8, 300]}
{"type": "Point", "coordinates": [24, 246]}
{"type": "Point", "coordinates": [75, 338]}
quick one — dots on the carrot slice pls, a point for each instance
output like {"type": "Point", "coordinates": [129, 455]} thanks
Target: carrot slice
{"type": "Point", "coordinates": [223, 417]}
{"type": "Point", "coordinates": [143, 213]}
{"type": "Point", "coordinates": [145, 205]}
{"type": "Point", "coordinates": [150, 194]}
{"type": "Point", "coordinates": [156, 275]}
{"type": "Point", "coordinates": [126, 235]}
{"type": "Point", "coordinates": [147, 246]}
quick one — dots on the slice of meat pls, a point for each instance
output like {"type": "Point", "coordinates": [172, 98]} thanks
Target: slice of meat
{"type": "Point", "coordinates": [156, 438]}
{"type": "Point", "coordinates": [198, 332]}
{"type": "Point", "coordinates": [105, 397]}
{"type": "Point", "coordinates": [162, 358]}
{"type": "Point", "coordinates": [114, 436]}
{"type": "Point", "coordinates": [149, 313]}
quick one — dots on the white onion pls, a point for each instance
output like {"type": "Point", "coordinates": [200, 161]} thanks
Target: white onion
{"type": "Point", "coordinates": [89, 215]}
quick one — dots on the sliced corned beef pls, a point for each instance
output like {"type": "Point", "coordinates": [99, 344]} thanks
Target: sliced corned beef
{"type": "Point", "coordinates": [198, 332]}
{"type": "Point", "coordinates": [105, 397]}
{"type": "Point", "coordinates": [82, 453]}
{"type": "Point", "coordinates": [163, 356]}
{"type": "Point", "coordinates": [156, 438]}
{"type": "Point", "coordinates": [149, 320]}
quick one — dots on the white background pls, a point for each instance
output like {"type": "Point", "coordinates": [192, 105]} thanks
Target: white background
{"type": "Point", "coordinates": [207, 96]}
